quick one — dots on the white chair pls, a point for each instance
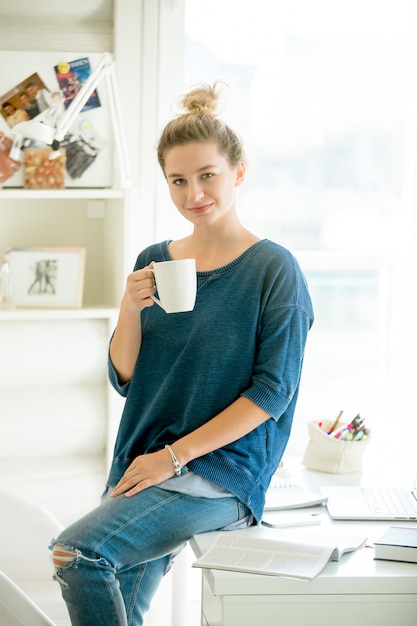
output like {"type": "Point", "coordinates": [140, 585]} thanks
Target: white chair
{"type": "Point", "coordinates": [17, 609]}
{"type": "Point", "coordinates": [26, 529]}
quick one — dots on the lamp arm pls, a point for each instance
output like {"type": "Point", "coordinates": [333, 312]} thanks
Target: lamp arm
{"type": "Point", "coordinates": [119, 134]}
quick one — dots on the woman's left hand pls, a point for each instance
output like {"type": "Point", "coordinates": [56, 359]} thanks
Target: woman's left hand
{"type": "Point", "coordinates": [145, 471]}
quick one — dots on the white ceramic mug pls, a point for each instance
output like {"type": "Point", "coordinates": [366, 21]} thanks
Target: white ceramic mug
{"type": "Point", "coordinates": [176, 284]}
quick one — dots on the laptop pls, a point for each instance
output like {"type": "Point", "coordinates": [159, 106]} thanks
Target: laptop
{"type": "Point", "coordinates": [371, 503]}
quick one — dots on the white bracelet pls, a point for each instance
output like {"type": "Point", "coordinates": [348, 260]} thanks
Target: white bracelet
{"type": "Point", "coordinates": [178, 468]}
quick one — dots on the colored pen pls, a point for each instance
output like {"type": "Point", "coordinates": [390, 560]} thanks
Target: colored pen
{"type": "Point", "coordinates": [336, 434]}
{"type": "Point", "coordinates": [335, 423]}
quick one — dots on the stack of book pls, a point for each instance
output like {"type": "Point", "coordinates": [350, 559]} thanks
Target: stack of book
{"type": "Point", "coordinates": [398, 543]}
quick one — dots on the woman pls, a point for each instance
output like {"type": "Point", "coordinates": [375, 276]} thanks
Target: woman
{"type": "Point", "coordinates": [210, 394]}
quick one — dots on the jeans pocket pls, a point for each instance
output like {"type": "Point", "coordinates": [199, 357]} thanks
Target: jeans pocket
{"type": "Point", "coordinates": [243, 510]}
{"type": "Point", "coordinates": [244, 518]}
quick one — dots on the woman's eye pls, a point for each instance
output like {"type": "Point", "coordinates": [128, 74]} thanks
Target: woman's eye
{"type": "Point", "coordinates": [207, 175]}
{"type": "Point", "coordinates": [179, 181]}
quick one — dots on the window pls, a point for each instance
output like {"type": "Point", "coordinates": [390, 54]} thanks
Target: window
{"type": "Point", "coordinates": [324, 96]}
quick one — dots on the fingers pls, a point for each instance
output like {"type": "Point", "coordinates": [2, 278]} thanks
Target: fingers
{"type": "Point", "coordinates": [130, 485]}
{"type": "Point", "coordinates": [130, 482]}
{"type": "Point", "coordinates": [145, 471]}
{"type": "Point", "coordinates": [140, 286]}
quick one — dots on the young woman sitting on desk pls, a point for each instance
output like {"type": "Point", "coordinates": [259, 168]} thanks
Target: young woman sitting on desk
{"type": "Point", "coordinates": [210, 394]}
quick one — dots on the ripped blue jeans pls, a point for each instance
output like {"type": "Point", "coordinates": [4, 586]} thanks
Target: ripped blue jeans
{"type": "Point", "coordinates": [110, 562]}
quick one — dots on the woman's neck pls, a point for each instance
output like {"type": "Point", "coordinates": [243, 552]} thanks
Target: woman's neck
{"type": "Point", "coordinates": [213, 249]}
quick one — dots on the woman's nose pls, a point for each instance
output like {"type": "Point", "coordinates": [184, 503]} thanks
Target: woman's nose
{"type": "Point", "coordinates": [195, 192]}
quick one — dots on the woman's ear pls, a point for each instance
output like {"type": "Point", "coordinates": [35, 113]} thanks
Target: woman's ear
{"type": "Point", "coordinates": [240, 173]}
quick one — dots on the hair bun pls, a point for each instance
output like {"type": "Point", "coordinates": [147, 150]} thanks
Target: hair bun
{"type": "Point", "coordinates": [199, 122]}
{"type": "Point", "coordinates": [202, 99]}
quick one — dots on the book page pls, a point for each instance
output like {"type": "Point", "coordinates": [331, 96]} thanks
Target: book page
{"type": "Point", "coordinates": [263, 556]}
{"type": "Point", "coordinates": [296, 557]}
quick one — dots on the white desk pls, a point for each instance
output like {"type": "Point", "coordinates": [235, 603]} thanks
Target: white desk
{"type": "Point", "coordinates": [357, 591]}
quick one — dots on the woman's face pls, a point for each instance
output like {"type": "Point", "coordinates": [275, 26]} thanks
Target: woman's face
{"type": "Point", "coordinates": [201, 181]}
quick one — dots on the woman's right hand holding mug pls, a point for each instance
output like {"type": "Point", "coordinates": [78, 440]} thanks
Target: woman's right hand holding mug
{"type": "Point", "coordinates": [140, 287]}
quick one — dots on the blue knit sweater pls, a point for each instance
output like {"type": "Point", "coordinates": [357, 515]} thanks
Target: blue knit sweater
{"type": "Point", "coordinates": [245, 337]}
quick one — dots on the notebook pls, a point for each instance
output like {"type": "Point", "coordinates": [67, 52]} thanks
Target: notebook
{"type": "Point", "coordinates": [371, 503]}
{"type": "Point", "coordinates": [283, 494]}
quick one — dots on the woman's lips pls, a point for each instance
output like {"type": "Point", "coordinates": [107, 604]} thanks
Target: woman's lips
{"type": "Point", "coordinates": [197, 210]}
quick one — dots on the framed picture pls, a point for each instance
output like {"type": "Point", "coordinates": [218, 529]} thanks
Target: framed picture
{"type": "Point", "coordinates": [47, 277]}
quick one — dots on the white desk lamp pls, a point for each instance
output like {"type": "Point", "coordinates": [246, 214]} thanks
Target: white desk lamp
{"type": "Point", "coordinates": [53, 135]}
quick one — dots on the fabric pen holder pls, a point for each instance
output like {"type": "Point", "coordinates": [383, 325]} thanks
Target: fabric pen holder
{"type": "Point", "coordinates": [328, 454]}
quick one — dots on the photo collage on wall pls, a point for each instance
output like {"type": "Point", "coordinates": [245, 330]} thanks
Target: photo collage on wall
{"type": "Point", "coordinates": [31, 100]}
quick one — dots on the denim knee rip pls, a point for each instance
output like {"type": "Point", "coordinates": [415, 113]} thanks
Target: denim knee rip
{"type": "Point", "coordinates": [65, 557]}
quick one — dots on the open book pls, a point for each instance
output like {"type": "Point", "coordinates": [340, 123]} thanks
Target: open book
{"type": "Point", "coordinates": [295, 556]}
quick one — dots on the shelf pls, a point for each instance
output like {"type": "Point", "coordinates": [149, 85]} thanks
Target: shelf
{"type": "Point", "coordinates": [10, 193]}
{"type": "Point", "coordinates": [57, 314]}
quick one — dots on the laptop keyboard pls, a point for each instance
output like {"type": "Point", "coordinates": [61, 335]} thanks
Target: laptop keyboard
{"type": "Point", "coordinates": [390, 501]}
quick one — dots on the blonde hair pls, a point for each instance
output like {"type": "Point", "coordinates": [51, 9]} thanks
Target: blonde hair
{"type": "Point", "coordinates": [200, 124]}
